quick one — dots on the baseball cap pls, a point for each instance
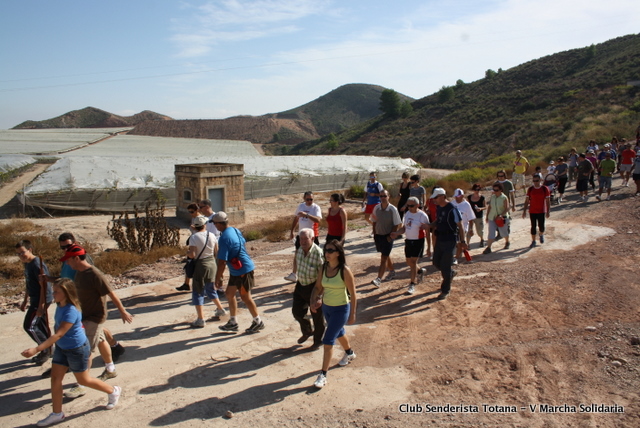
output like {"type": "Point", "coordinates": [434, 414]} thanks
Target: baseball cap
{"type": "Point", "coordinates": [220, 217]}
{"type": "Point", "coordinates": [458, 192]}
{"type": "Point", "coordinates": [437, 192]}
{"type": "Point", "coordinates": [200, 221]}
{"type": "Point", "coordinates": [72, 251]}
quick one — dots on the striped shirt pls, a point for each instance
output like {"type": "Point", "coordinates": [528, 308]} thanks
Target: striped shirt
{"type": "Point", "coordinates": [308, 264]}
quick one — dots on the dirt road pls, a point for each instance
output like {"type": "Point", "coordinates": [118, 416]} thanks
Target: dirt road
{"type": "Point", "coordinates": [523, 330]}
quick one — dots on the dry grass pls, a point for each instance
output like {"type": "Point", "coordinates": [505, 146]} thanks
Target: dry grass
{"type": "Point", "coordinates": [271, 230]}
{"type": "Point", "coordinates": [117, 262]}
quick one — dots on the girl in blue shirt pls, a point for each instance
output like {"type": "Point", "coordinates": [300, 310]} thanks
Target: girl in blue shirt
{"type": "Point", "coordinates": [71, 351]}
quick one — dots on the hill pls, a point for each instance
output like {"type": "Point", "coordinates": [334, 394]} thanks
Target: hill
{"type": "Point", "coordinates": [543, 107]}
{"type": "Point", "coordinates": [335, 111]}
{"type": "Point", "coordinates": [91, 117]}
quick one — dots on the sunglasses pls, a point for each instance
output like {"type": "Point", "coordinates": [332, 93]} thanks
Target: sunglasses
{"type": "Point", "coordinates": [496, 190]}
{"type": "Point", "coordinates": [309, 199]}
{"type": "Point", "coordinates": [500, 175]}
{"type": "Point", "coordinates": [383, 196]}
{"type": "Point", "coordinates": [191, 212]}
{"type": "Point", "coordinates": [410, 206]}
{"type": "Point", "coordinates": [330, 250]}
{"type": "Point", "coordinates": [64, 247]}
{"type": "Point", "coordinates": [536, 181]}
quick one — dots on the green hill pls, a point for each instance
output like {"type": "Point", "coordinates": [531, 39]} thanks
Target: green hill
{"type": "Point", "coordinates": [543, 107]}
{"type": "Point", "coordinates": [91, 117]}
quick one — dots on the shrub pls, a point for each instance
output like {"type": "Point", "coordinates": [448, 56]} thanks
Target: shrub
{"type": "Point", "coordinates": [355, 192]}
{"type": "Point", "coordinates": [118, 262]}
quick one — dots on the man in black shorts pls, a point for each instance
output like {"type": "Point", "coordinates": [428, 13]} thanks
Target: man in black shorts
{"type": "Point", "coordinates": [386, 219]}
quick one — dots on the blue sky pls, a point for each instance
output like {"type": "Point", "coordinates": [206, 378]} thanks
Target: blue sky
{"type": "Point", "coordinates": [215, 59]}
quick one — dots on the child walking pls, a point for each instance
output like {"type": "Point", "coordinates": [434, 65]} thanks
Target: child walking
{"type": "Point", "coordinates": [71, 351]}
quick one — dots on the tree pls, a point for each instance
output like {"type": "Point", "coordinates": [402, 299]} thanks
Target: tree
{"type": "Point", "coordinates": [445, 94]}
{"type": "Point", "coordinates": [460, 82]}
{"type": "Point", "coordinates": [489, 74]}
{"type": "Point", "coordinates": [406, 109]}
{"type": "Point", "coordinates": [390, 103]}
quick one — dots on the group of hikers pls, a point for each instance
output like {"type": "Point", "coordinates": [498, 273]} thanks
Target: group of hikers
{"type": "Point", "coordinates": [324, 283]}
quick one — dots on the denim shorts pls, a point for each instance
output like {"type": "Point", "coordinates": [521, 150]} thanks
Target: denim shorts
{"type": "Point", "coordinates": [197, 299]}
{"type": "Point", "coordinates": [77, 359]}
{"type": "Point", "coordinates": [337, 317]}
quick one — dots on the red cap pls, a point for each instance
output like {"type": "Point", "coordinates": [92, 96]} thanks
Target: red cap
{"type": "Point", "coordinates": [72, 251]}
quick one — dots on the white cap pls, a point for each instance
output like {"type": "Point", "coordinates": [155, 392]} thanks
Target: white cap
{"type": "Point", "coordinates": [458, 192]}
{"type": "Point", "coordinates": [438, 191]}
{"type": "Point", "coordinates": [200, 221]}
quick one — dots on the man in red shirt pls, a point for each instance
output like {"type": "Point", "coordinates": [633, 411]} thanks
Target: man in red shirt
{"type": "Point", "coordinates": [538, 202]}
{"type": "Point", "coordinates": [626, 164]}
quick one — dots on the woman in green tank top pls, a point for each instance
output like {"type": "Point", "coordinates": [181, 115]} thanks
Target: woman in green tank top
{"type": "Point", "coordinates": [335, 291]}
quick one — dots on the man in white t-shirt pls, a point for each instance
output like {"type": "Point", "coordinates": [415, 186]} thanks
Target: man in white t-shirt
{"type": "Point", "coordinates": [307, 216]}
{"type": "Point", "coordinates": [207, 211]}
{"type": "Point", "coordinates": [414, 223]}
{"type": "Point", "coordinates": [468, 216]}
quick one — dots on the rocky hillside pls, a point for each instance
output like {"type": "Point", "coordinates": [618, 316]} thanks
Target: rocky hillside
{"type": "Point", "coordinates": [91, 117]}
{"type": "Point", "coordinates": [543, 107]}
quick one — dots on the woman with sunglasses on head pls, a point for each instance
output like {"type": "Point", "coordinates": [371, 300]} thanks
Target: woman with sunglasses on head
{"type": "Point", "coordinates": [71, 351]}
{"type": "Point", "coordinates": [538, 201]}
{"type": "Point", "coordinates": [335, 291]}
{"type": "Point", "coordinates": [336, 219]}
{"type": "Point", "coordinates": [498, 213]}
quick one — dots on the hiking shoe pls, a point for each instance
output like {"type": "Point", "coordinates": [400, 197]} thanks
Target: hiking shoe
{"type": "Point", "coordinates": [114, 397]}
{"type": "Point", "coordinates": [46, 374]}
{"type": "Point", "coordinates": [255, 327]}
{"type": "Point", "coordinates": [482, 243]}
{"type": "Point", "coordinates": [219, 313]}
{"type": "Point", "coordinates": [229, 326]}
{"type": "Point", "coordinates": [376, 282]}
{"type": "Point", "coordinates": [116, 352]}
{"type": "Point", "coordinates": [41, 358]}
{"type": "Point", "coordinates": [609, 197]}
{"type": "Point", "coordinates": [506, 246]}
{"type": "Point", "coordinates": [347, 359]}
{"type": "Point", "coordinates": [391, 275]}
{"type": "Point", "coordinates": [106, 375]}
{"type": "Point", "coordinates": [303, 338]}
{"type": "Point", "coordinates": [199, 323]}
{"type": "Point", "coordinates": [321, 381]}
{"type": "Point", "coordinates": [598, 197]}
{"type": "Point", "coordinates": [292, 277]}
{"type": "Point", "coordinates": [442, 296]}
{"type": "Point", "coordinates": [421, 273]}
{"type": "Point", "coordinates": [487, 250]}
{"type": "Point", "coordinates": [541, 239]}
{"type": "Point", "coordinates": [75, 392]}
{"type": "Point", "coordinates": [412, 288]}
{"type": "Point", "coordinates": [533, 244]}
{"type": "Point", "coordinates": [53, 418]}
{"type": "Point", "coordinates": [183, 287]}
{"type": "Point", "coordinates": [454, 261]}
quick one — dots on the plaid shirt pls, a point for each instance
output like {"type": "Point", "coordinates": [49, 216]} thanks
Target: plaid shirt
{"type": "Point", "coordinates": [308, 265]}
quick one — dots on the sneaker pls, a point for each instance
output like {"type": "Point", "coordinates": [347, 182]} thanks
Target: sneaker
{"type": "Point", "coordinates": [412, 288]}
{"type": "Point", "coordinates": [75, 392]}
{"type": "Point", "coordinates": [533, 244]}
{"type": "Point", "coordinates": [219, 313]}
{"type": "Point", "coordinates": [303, 338]}
{"type": "Point", "coordinates": [106, 375]}
{"type": "Point", "coordinates": [598, 197]}
{"type": "Point", "coordinates": [41, 358]}
{"type": "Point", "coordinates": [506, 246]}
{"type": "Point", "coordinates": [626, 183]}
{"type": "Point", "coordinates": [487, 250]}
{"type": "Point", "coordinates": [46, 374]}
{"type": "Point", "coordinates": [292, 277]}
{"type": "Point", "coordinates": [421, 273]}
{"type": "Point", "coordinates": [376, 282]}
{"type": "Point", "coordinates": [255, 327]}
{"type": "Point", "coordinates": [454, 261]}
{"type": "Point", "coordinates": [391, 275]}
{"type": "Point", "coordinates": [321, 381]}
{"type": "Point", "coordinates": [199, 323]}
{"type": "Point", "coordinates": [114, 397]}
{"type": "Point", "coordinates": [229, 326]}
{"type": "Point", "coordinates": [371, 235]}
{"type": "Point", "coordinates": [347, 359]}
{"type": "Point", "coordinates": [609, 197]}
{"type": "Point", "coordinates": [541, 239]}
{"type": "Point", "coordinates": [482, 243]}
{"type": "Point", "coordinates": [116, 352]}
{"type": "Point", "coordinates": [442, 296]}
{"type": "Point", "coordinates": [183, 287]}
{"type": "Point", "coordinates": [53, 418]}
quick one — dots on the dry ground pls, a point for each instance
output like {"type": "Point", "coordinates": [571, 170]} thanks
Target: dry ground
{"type": "Point", "coordinates": [554, 325]}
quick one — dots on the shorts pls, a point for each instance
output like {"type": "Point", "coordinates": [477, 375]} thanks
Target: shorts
{"type": "Point", "coordinates": [582, 185]}
{"type": "Point", "coordinates": [197, 299]}
{"type": "Point", "coordinates": [77, 359]}
{"type": "Point", "coordinates": [413, 248]}
{"type": "Point", "coordinates": [383, 246]}
{"type": "Point", "coordinates": [626, 167]}
{"type": "Point", "coordinates": [605, 182]}
{"type": "Point", "coordinates": [245, 281]}
{"type": "Point", "coordinates": [369, 208]}
{"type": "Point", "coordinates": [636, 177]}
{"type": "Point", "coordinates": [94, 333]}
{"type": "Point", "coordinates": [504, 230]}
{"type": "Point", "coordinates": [337, 317]}
{"type": "Point", "coordinates": [518, 178]}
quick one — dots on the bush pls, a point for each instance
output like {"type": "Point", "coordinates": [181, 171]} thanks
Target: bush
{"type": "Point", "coordinates": [118, 262]}
{"type": "Point", "coordinates": [355, 192]}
